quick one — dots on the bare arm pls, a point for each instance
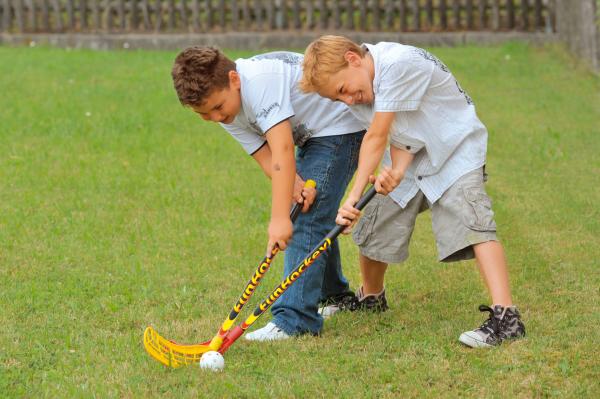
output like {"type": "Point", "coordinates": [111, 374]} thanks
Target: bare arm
{"type": "Point", "coordinates": [371, 151]}
{"type": "Point", "coordinates": [302, 194]}
{"type": "Point", "coordinates": [390, 177]}
{"type": "Point", "coordinates": [283, 173]}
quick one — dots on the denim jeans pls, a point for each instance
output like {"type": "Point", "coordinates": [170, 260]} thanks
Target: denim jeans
{"type": "Point", "coordinates": [331, 162]}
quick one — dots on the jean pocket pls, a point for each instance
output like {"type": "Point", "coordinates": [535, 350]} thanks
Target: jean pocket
{"type": "Point", "coordinates": [478, 214]}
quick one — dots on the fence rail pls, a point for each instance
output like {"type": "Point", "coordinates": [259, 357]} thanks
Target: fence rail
{"type": "Point", "coordinates": [121, 16]}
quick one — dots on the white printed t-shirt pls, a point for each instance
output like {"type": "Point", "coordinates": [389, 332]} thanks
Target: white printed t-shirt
{"type": "Point", "coordinates": [435, 119]}
{"type": "Point", "coordinates": [270, 95]}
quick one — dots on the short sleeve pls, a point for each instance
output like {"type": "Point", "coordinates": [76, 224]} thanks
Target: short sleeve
{"type": "Point", "coordinates": [267, 99]}
{"type": "Point", "coordinates": [402, 85]}
{"type": "Point", "coordinates": [250, 141]}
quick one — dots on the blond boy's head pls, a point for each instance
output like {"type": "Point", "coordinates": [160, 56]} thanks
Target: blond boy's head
{"type": "Point", "coordinates": [337, 68]}
{"type": "Point", "coordinates": [325, 57]}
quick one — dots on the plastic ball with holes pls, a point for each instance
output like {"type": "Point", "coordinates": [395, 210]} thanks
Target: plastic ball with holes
{"type": "Point", "coordinates": [212, 361]}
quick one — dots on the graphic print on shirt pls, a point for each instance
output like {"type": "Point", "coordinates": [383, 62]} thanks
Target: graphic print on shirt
{"type": "Point", "coordinates": [288, 58]}
{"type": "Point", "coordinates": [430, 57]}
{"type": "Point", "coordinates": [262, 114]}
{"type": "Point", "coordinates": [301, 134]}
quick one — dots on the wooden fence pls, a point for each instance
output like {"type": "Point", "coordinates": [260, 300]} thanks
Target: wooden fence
{"type": "Point", "coordinates": [121, 16]}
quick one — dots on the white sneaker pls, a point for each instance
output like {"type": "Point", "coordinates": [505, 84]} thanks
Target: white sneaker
{"type": "Point", "coordinates": [270, 332]}
{"type": "Point", "coordinates": [340, 302]}
{"type": "Point", "coordinates": [328, 311]}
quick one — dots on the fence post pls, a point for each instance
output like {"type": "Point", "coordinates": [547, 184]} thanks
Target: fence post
{"type": "Point", "coordinates": [482, 11]}
{"type": "Point", "coordinates": [495, 14]}
{"type": "Point", "coordinates": [429, 13]}
{"type": "Point", "coordinates": [70, 15]}
{"type": "Point", "coordinates": [337, 22]}
{"type": "Point", "coordinates": [310, 14]}
{"type": "Point", "coordinates": [183, 10]}
{"type": "Point", "coordinates": [389, 14]}
{"type": "Point", "coordinates": [58, 14]}
{"type": "Point", "coordinates": [510, 11]}
{"type": "Point", "coordinates": [323, 14]}
{"type": "Point", "coordinates": [350, 14]}
{"type": "Point", "coordinates": [376, 15]}
{"type": "Point", "coordinates": [469, 7]}
{"type": "Point", "coordinates": [577, 27]}
{"type": "Point", "coordinates": [221, 11]}
{"type": "Point", "coordinates": [96, 14]}
{"type": "Point", "coordinates": [525, 14]}
{"type": "Point", "coordinates": [416, 15]}
{"type": "Point", "coordinates": [246, 15]}
{"type": "Point", "coordinates": [19, 11]}
{"type": "Point", "coordinates": [538, 14]}
{"type": "Point", "coordinates": [121, 14]}
{"type": "Point", "coordinates": [443, 16]}
{"type": "Point", "coordinates": [146, 14]}
{"type": "Point", "coordinates": [31, 11]}
{"type": "Point", "coordinates": [456, 14]}
{"type": "Point", "coordinates": [235, 15]}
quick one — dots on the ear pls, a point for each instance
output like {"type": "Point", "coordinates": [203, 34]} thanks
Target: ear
{"type": "Point", "coordinates": [352, 58]}
{"type": "Point", "coordinates": [234, 80]}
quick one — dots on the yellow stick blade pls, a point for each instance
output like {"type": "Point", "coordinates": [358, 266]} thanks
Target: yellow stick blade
{"type": "Point", "coordinates": [171, 354]}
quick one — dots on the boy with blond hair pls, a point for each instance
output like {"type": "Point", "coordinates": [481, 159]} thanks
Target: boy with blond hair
{"type": "Point", "coordinates": [437, 157]}
{"type": "Point", "coordinates": [258, 102]}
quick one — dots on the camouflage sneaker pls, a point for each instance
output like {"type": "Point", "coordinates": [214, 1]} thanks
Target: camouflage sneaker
{"type": "Point", "coordinates": [502, 324]}
{"type": "Point", "coordinates": [346, 301]}
{"type": "Point", "coordinates": [372, 302]}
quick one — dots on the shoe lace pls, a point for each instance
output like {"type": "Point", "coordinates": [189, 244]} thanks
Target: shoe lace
{"type": "Point", "coordinates": [492, 324]}
{"type": "Point", "coordinates": [349, 303]}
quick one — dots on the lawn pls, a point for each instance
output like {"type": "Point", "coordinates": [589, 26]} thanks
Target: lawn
{"type": "Point", "coordinates": [119, 208]}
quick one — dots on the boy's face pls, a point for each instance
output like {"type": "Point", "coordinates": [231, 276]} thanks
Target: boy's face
{"type": "Point", "coordinates": [222, 105]}
{"type": "Point", "coordinates": [354, 84]}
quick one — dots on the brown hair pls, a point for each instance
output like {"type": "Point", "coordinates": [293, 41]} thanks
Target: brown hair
{"type": "Point", "coordinates": [198, 71]}
{"type": "Point", "coordinates": [324, 57]}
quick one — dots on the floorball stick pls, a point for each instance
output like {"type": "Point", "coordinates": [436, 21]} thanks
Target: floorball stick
{"type": "Point", "coordinates": [237, 332]}
{"type": "Point", "coordinates": [175, 355]}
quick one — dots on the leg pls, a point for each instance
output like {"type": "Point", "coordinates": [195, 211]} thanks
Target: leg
{"type": "Point", "coordinates": [328, 161]}
{"type": "Point", "coordinates": [382, 235]}
{"type": "Point", "coordinates": [372, 273]}
{"type": "Point", "coordinates": [463, 223]}
{"type": "Point", "coordinates": [492, 266]}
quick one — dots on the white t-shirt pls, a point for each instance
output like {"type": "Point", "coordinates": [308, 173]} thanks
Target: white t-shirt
{"type": "Point", "coordinates": [435, 119]}
{"type": "Point", "coordinates": [270, 94]}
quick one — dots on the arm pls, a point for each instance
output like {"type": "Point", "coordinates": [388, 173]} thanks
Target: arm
{"type": "Point", "coordinates": [371, 152]}
{"type": "Point", "coordinates": [302, 194]}
{"type": "Point", "coordinates": [283, 172]}
{"type": "Point", "coordinates": [389, 178]}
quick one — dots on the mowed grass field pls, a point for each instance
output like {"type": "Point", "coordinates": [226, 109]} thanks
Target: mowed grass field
{"type": "Point", "coordinates": [120, 209]}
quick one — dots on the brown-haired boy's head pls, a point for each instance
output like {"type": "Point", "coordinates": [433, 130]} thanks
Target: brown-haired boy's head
{"type": "Point", "coordinates": [339, 69]}
{"type": "Point", "coordinates": [206, 81]}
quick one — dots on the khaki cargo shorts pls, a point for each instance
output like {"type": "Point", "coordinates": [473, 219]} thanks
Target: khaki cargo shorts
{"type": "Point", "coordinates": [461, 218]}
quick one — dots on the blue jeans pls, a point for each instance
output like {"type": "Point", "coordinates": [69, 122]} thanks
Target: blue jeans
{"type": "Point", "coordinates": [331, 162]}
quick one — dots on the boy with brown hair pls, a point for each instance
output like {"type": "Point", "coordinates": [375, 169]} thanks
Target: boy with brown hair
{"type": "Point", "coordinates": [437, 157]}
{"type": "Point", "coordinates": [258, 102]}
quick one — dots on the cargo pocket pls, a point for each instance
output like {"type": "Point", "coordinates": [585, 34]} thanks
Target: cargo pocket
{"type": "Point", "coordinates": [478, 214]}
{"type": "Point", "coordinates": [364, 226]}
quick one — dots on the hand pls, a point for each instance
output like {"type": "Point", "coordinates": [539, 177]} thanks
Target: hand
{"type": "Point", "coordinates": [304, 195]}
{"type": "Point", "coordinates": [280, 233]}
{"type": "Point", "coordinates": [348, 215]}
{"type": "Point", "coordinates": [387, 180]}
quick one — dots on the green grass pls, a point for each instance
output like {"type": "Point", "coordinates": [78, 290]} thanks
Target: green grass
{"type": "Point", "coordinates": [119, 209]}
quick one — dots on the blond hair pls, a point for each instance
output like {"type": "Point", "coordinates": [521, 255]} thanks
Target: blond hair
{"type": "Point", "coordinates": [323, 58]}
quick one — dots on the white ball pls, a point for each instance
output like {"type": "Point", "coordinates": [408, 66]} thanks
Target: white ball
{"type": "Point", "coordinates": [212, 361]}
